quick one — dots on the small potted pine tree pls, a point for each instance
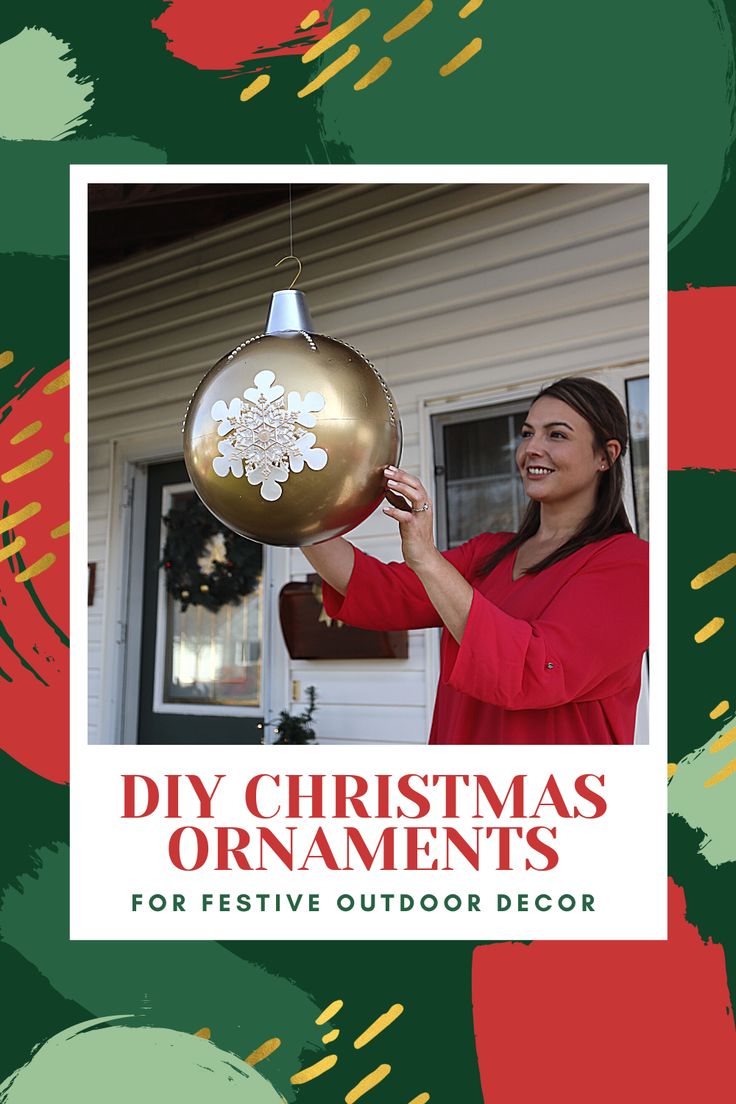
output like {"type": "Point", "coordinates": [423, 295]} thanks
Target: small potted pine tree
{"type": "Point", "coordinates": [296, 728]}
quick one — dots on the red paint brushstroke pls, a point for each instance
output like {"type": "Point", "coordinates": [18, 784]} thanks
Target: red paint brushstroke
{"type": "Point", "coordinates": [225, 33]}
{"type": "Point", "coordinates": [702, 377]}
{"type": "Point", "coordinates": [605, 1021]}
{"type": "Point", "coordinates": [34, 691]}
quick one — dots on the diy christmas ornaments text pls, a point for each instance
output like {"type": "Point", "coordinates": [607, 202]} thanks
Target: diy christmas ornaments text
{"type": "Point", "coordinates": [470, 801]}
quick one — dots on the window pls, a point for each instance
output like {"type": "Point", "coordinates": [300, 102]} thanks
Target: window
{"type": "Point", "coordinates": [637, 402]}
{"type": "Point", "coordinates": [478, 485]}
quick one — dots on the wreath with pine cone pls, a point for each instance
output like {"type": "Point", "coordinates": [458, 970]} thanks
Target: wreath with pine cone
{"type": "Point", "coordinates": [204, 562]}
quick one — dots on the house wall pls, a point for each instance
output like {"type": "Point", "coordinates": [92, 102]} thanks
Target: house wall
{"type": "Point", "coordinates": [459, 294]}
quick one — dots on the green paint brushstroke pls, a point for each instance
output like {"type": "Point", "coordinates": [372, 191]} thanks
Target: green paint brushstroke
{"type": "Point", "coordinates": [35, 178]}
{"type": "Point", "coordinates": [568, 82]}
{"type": "Point", "coordinates": [104, 1060]}
{"type": "Point", "coordinates": [708, 808]}
{"type": "Point", "coordinates": [40, 98]}
{"type": "Point", "coordinates": [8, 640]}
{"type": "Point", "coordinates": [180, 985]}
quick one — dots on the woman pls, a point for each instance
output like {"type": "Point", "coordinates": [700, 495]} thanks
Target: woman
{"type": "Point", "coordinates": [545, 629]}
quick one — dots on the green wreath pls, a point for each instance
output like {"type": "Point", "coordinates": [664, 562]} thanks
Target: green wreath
{"type": "Point", "coordinates": [205, 563]}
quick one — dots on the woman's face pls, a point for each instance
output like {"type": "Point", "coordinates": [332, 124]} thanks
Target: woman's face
{"type": "Point", "coordinates": [557, 456]}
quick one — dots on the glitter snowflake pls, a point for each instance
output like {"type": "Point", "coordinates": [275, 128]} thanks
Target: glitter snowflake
{"type": "Point", "coordinates": [263, 435]}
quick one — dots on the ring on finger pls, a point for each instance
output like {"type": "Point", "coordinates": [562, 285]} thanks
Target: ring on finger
{"type": "Point", "coordinates": [420, 509]}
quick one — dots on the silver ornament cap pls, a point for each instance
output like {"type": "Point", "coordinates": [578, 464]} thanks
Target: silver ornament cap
{"type": "Point", "coordinates": [288, 311]}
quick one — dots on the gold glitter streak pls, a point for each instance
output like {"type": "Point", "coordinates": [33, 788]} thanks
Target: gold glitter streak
{"type": "Point", "coordinates": [329, 72]}
{"type": "Point", "coordinates": [203, 1033]}
{"type": "Point", "coordinates": [718, 711]}
{"type": "Point", "coordinates": [11, 549]}
{"type": "Point", "coordinates": [331, 1036]}
{"type": "Point", "coordinates": [721, 775]}
{"type": "Point", "coordinates": [470, 7]}
{"type": "Point", "coordinates": [709, 630]}
{"type": "Point", "coordinates": [255, 87]}
{"type": "Point", "coordinates": [66, 438]}
{"type": "Point", "coordinates": [373, 74]}
{"type": "Point", "coordinates": [263, 1051]}
{"type": "Point", "coordinates": [459, 59]}
{"type": "Point", "coordinates": [27, 466]}
{"type": "Point", "coordinates": [43, 564]}
{"type": "Point", "coordinates": [726, 738]}
{"type": "Point", "coordinates": [367, 1083]}
{"type": "Point", "coordinates": [316, 1070]}
{"type": "Point", "coordinates": [720, 567]}
{"type": "Point", "coordinates": [409, 21]}
{"type": "Point", "coordinates": [57, 384]}
{"type": "Point", "coordinates": [336, 35]}
{"type": "Point", "coordinates": [60, 530]}
{"type": "Point", "coordinates": [328, 1012]}
{"type": "Point", "coordinates": [6, 358]}
{"type": "Point", "coordinates": [421, 1099]}
{"type": "Point", "coordinates": [379, 1025]}
{"type": "Point", "coordinates": [12, 521]}
{"type": "Point", "coordinates": [310, 19]}
{"type": "Point", "coordinates": [671, 769]}
{"type": "Point", "coordinates": [24, 434]}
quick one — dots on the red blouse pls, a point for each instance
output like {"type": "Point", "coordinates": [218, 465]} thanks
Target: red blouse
{"type": "Point", "coordinates": [553, 658]}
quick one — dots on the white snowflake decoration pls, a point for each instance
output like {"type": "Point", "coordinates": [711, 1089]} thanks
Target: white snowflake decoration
{"type": "Point", "coordinates": [264, 436]}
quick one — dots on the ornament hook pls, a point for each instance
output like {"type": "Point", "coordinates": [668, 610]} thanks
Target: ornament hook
{"type": "Point", "coordinates": [291, 257]}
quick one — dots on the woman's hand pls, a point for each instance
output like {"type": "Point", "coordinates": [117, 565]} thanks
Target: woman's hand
{"type": "Point", "coordinates": [411, 507]}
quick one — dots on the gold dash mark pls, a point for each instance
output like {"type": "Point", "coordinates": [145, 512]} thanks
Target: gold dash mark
{"type": "Point", "coordinates": [329, 71]}
{"type": "Point", "coordinates": [469, 8]}
{"type": "Point", "coordinates": [421, 1099]}
{"type": "Point", "coordinates": [203, 1033]}
{"type": "Point", "coordinates": [722, 774]}
{"type": "Point", "coordinates": [726, 738]}
{"type": "Point", "coordinates": [41, 565]}
{"type": "Point", "coordinates": [6, 358]}
{"type": "Point", "coordinates": [57, 384]}
{"type": "Point", "coordinates": [263, 1051]}
{"type": "Point", "coordinates": [12, 521]}
{"type": "Point", "coordinates": [66, 438]}
{"type": "Point", "coordinates": [24, 434]}
{"type": "Point", "coordinates": [310, 19]}
{"type": "Point", "coordinates": [328, 1012]}
{"type": "Point", "coordinates": [373, 74]}
{"type": "Point", "coordinates": [459, 59]}
{"type": "Point", "coordinates": [10, 549]}
{"type": "Point", "coordinates": [331, 1036]}
{"type": "Point", "coordinates": [379, 1025]}
{"type": "Point", "coordinates": [367, 1083]}
{"type": "Point", "coordinates": [316, 1070]}
{"type": "Point", "coordinates": [718, 710]}
{"type": "Point", "coordinates": [27, 466]}
{"type": "Point", "coordinates": [255, 87]}
{"type": "Point", "coordinates": [720, 567]}
{"type": "Point", "coordinates": [709, 630]}
{"type": "Point", "coordinates": [60, 530]}
{"type": "Point", "coordinates": [336, 35]}
{"type": "Point", "coordinates": [409, 21]}
{"type": "Point", "coordinates": [671, 769]}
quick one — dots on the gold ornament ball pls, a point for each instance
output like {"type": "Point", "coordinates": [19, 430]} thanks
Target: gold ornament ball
{"type": "Point", "coordinates": [286, 438]}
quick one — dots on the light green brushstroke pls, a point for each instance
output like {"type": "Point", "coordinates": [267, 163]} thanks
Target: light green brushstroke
{"type": "Point", "coordinates": [98, 1061]}
{"type": "Point", "coordinates": [40, 99]}
{"type": "Point", "coordinates": [709, 809]}
{"type": "Point", "coordinates": [185, 985]}
{"type": "Point", "coordinates": [35, 187]}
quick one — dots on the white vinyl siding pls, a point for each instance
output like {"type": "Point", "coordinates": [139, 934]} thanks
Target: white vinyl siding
{"type": "Point", "coordinates": [459, 295]}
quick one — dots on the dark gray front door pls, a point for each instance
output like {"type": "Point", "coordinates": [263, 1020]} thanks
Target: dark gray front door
{"type": "Point", "coordinates": [200, 672]}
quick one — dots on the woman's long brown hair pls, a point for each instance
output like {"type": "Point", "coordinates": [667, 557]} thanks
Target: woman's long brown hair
{"type": "Point", "coordinates": [606, 417]}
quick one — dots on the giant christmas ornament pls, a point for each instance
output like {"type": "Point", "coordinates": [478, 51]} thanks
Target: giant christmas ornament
{"type": "Point", "coordinates": [287, 436]}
